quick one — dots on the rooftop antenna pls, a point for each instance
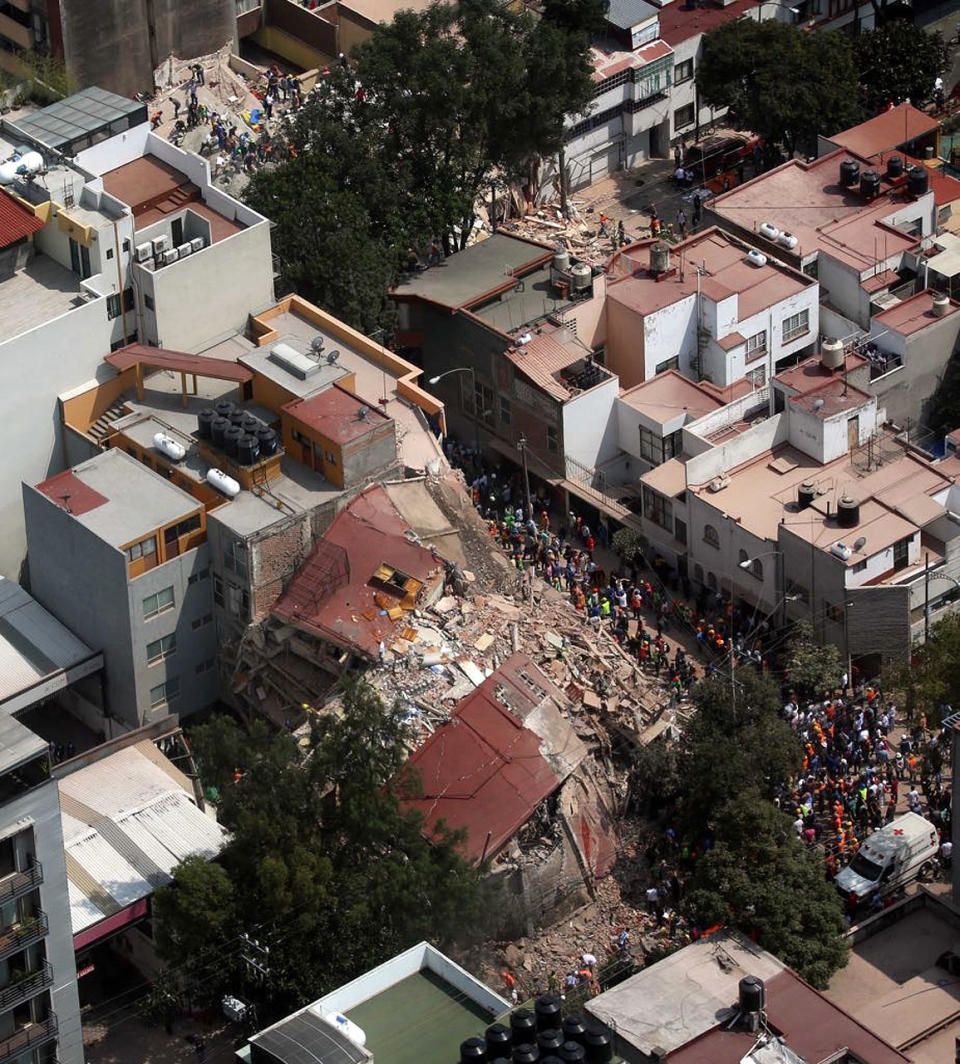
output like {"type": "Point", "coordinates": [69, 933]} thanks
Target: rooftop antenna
{"type": "Point", "coordinates": [860, 543]}
{"type": "Point", "coordinates": [316, 347]}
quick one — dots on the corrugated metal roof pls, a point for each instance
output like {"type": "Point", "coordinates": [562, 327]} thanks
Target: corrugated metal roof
{"type": "Point", "coordinates": [139, 827]}
{"type": "Point", "coordinates": [628, 13]}
{"type": "Point", "coordinates": [34, 645]}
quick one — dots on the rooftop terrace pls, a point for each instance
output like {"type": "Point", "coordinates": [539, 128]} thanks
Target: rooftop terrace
{"type": "Point", "coordinates": [36, 294]}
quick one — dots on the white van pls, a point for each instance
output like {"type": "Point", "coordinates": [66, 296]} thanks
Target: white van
{"type": "Point", "coordinates": [889, 858]}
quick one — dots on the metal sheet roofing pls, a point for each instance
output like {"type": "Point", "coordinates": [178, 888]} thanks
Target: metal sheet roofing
{"type": "Point", "coordinates": [625, 14]}
{"type": "Point", "coordinates": [128, 820]}
{"type": "Point", "coordinates": [304, 1038]}
{"type": "Point", "coordinates": [159, 358]}
{"type": "Point", "coordinates": [16, 221]}
{"type": "Point", "coordinates": [886, 131]}
{"type": "Point", "coordinates": [34, 645]}
{"type": "Point", "coordinates": [337, 414]}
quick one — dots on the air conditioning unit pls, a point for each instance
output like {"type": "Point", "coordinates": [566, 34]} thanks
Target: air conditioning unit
{"type": "Point", "coordinates": [185, 249]}
{"type": "Point", "coordinates": [159, 245]}
{"type": "Point", "coordinates": [143, 252]}
{"type": "Point", "coordinates": [198, 243]}
{"type": "Point", "coordinates": [170, 256]}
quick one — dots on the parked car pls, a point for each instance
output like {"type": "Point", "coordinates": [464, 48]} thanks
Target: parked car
{"type": "Point", "coordinates": [718, 154]}
{"type": "Point", "coordinates": [890, 858]}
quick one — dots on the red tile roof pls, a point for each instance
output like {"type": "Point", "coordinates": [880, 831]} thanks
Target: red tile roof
{"type": "Point", "coordinates": [70, 493]}
{"type": "Point", "coordinates": [159, 358]}
{"type": "Point", "coordinates": [335, 414]}
{"type": "Point", "coordinates": [483, 770]}
{"type": "Point", "coordinates": [331, 595]}
{"type": "Point", "coordinates": [680, 23]}
{"type": "Point", "coordinates": [16, 221]}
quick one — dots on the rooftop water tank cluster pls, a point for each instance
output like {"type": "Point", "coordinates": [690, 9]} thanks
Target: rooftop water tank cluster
{"type": "Point", "coordinates": [237, 433]}
{"type": "Point", "coordinates": [543, 1036]}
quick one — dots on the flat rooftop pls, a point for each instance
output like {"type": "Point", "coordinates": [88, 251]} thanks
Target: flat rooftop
{"type": "Point", "coordinates": [727, 272]}
{"type": "Point", "coordinates": [679, 23]}
{"type": "Point", "coordinates": [811, 374]}
{"type": "Point", "coordinates": [463, 278]}
{"type": "Point", "coordinates": [338, 415]}
{"type": "Point", "coordinates": [118, 498]}
{"type": "Point", "coordinates": [886, 131]}
{"type": "Point", "coordinates": [40, 292]}
{"type": "Point", "coordinates": [425, 1003]}
{"type": "Point", "coordinates": [608, 57]}
{"type": "Point", "coordinates": [667, 395]}
{"type": "Point", "coordinates": [914, 314]}
{"type": "Point", "coordinates": [892, 985]}
{"type": "Point", "coordinates": [833, 397]}
{"type": "Point", "coordinates": [18, 744]}
{"type": "Point", "coordinates": [808, 201]}
{"type": "Point", "coordinates": [517, 307]}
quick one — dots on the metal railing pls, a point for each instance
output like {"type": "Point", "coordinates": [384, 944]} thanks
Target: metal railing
{"type": "Point", "coordinates": [35, 1034]}
{"type": "Point", "coordinates": [25, 987]}
{"type": "Point", "coordinates": [24, 934]}
{"type": "Point", "coordinates": [17, 883]}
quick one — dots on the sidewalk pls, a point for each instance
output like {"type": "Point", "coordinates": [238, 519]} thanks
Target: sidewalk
{"type": "Point", "coordinates": [127, 1039]}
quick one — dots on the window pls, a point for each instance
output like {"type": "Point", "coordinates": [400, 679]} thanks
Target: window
{"type": "Point", "coordinates": [684, 116]}
{"type": "Point", "coordinates": [484, 401]}
{"type": "Point", "coordinates": [109, 253]}
{"type": "Point", "coordinates": [796, 325]}
{"type": "Point", "coordinates": [683, 72]}
{"type": "Point", "coordinates": [148, 302]}
{"type": "Point", "coordinates": [142, 550]}
{"type": "Point", "coordinates": [711, 581]}
{"type": "Point", "coordinates": [710, 537]}
{"type": "Point", "coordinates": [164, 692]}
{"type": "Point", "coordinates": [182, 528]}
{"type": "Point", "coordinates": [161, 649]}
{"type": "Point", "coordinates": [201, 622]}
{"type": "Point", "coordinates": [742, 557]}
{"type": "Point", "coordinates": [832, 611]}
{"type": "Point", "coordinates": [698, 573]}
{"type": "Point", "coordinates": [657, 508]}
{"type": "Point", "coordinates": [504, 410]}
{"type": "Point", "coordinates": [757, 377]}
{"type": "Point", "coordinates": [671, 363]}
{"type": "Point", "coordinates": [200, 574]}
{"type": "Point", "coordinates": [158, 603]}
{"type": "Point", "coordinates": [128, 300]}
{"type": "Point", "coordinates": [656, 449]}
{"type": "Point", "coordinates": [756, 346]}
{"type": "Point", "coordinates": [553, 442]}
{"type": "Point", "coordinates": [126, 245]}
{"type": "Point", "coordinates": [858, 567]}
{"type": "Point", "coordinates": [798, 590]}
{"type": "Point", "coordinates": [680, 531]}
{"type": "Point", "coordinates": [901, 554]}
{"type": "Point", "coordinates": [217, 590]}
{"type": "Point", "coordinates": [330, 457]}
{"type": "Point", "coordinates": [113, 306]}
{"type": "Point", "coordinates": [235, 559]}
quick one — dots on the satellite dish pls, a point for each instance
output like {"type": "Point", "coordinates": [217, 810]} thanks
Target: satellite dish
{"type": "Point", "coordinates": [316, 345]}
{"type": "Point", "coordinates": [818, 404]}
{"type": "Point", "coordinates": [362, 412]}
{"type": "Point", "coordinates": [860, 543]}
{"type": "Point", "coordinates": [332, 357]}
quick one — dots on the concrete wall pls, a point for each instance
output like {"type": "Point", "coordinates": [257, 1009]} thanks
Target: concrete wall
{"type": "Point", "coordinates": [304, 25]}
{"type": "Point", "coordinates": [707, 464]}
{"type": "Point", "coordinates": [118, 150]}
{"type": "Point", "coordinates": [826, 438]}
{"type": "Point", "coordinates": [668, 333]}
{"type": "Point", "coordinates": [39, 810]}
{"type": "Point", "coordinates": [589, 314]}
{"type": "Point", "coordinates": [590, 425]}
{"type": "Point", "coordinates": [625, 343]}
{"type": "Point", "coordinates": [108, 43]}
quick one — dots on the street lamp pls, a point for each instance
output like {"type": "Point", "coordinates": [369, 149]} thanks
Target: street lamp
{"type": "Point", "coordinates": [927, 577]}
{"type": "Point", "coordinates": [473, 386]}
{"type": "Point", "coordinates": [522, 448]}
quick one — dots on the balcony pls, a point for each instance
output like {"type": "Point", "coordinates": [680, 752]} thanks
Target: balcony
{"type": "Point", "coordinates": [23, 935]}
{"type": "Point", "coordinates": [27, 986]}
{"type": "Point", "coordinates": [29, 1037]}
{"type": "Point", "coordinates": [19, 883]}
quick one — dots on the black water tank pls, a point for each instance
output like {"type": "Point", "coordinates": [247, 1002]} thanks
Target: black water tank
{"type": "Point", "coordinates": [574, 1028]}
{"type": "Point", "coordinates": [918, 180]}
{"type": "Point", "coordinates": [498, 1040]}
{"type": "Point", "coordinates": [572, 1053]}
{"type": "Point", "coordinates": [547, 1008]}
{"type": "Point", "coordinates": [526, 1053]}
{"type": "Point", "coordinates": [268, 440]}
{"type": "Point", "coordinates": [237, 416]}
{"type": "Point", "coordinates": [231, 437]}
{"type": "Point", "coordinates": [894, 166]}
{"type": "Point", "coordinates": [498, 1060]}
{"type": "Point", "coordinates": [523, 1025]}
{"type": "Point", "coordinates": [598, 1046]}
{"type": "Point", "coordinates": [205, 419]}
{"type": "Point", "coordinates": [224, 408]}
{"type": "Point", "coordinates": [869, 184]}
{"type": "Point", "coordinates": [473, 1051]}
{"type": "Point", "coordinates": [753, 995]}
{"type": "Point", "coordinates": [848, 512]}
{"type": "Point", "coordinates": [849, 172]}
{"type": "Point", "coordinates": [550, 1060]}
{"type": "Point", "coordinates": [248, 449]}
{"type": "Point", "coordinates": [550, 1040]}
{"type": "Point", "coordinates": [250, 424]}
{"type": "Point", "coordinates": [217, 428]}
{"type": "Point", "coordinates": [806, 493]}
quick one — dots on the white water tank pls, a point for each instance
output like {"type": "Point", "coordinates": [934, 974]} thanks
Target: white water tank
{"type": "Point", "coordinates": [769, 230]}
{"type": "Point", "coordinates": [346, 1027]}
{"type": "Point", "coordinates": [788, 241]}
{"type": "Point", "coordinates": [941, 305]}
{"type": "Point", "coordinates": [168, 445]}
{"type": "Point", "coordinates": [756, 258]}
{"type": "Point", "coordinates": [831, 353]}
{"type": "Point", "coordinates": [581, 277]}
{"type": "Point", "coordinates": [216, 478]}
{"type": "Point", "coordinates": [8, 173]}
{"type": "Point", "coordinates": [30, 163]}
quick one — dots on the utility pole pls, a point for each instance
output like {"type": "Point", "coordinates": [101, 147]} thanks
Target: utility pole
{"type": "Point", "coordinates": [846, 642]}
{"type": "Point", "coordinates": [562, 167]}
{"type": "Point", "coordinates": [522, 448]}
{"type": "Point", "coordinates": [926, 597]}
{"type": "Point", "coordinates": [256, 957]}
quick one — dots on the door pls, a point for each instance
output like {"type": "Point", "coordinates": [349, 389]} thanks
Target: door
{"type": "Point", "coordinates": [853, 432]}
{"type": "Point", "coordinates": [176, 232]}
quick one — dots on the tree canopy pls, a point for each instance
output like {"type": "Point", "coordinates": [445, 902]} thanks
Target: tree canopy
{"type": "Point", "coordinates": [393, 154]}
{"type": "Point", "coordinates": [932, 677]}
{"type": "Point", "coordinates": [323, 866]}
{"type": "Point", "coordinates": [813, 669]}
{"type": "Point", "coordinates": [779, 81]}
{"type": "Point", "coordinates": [899, 61]}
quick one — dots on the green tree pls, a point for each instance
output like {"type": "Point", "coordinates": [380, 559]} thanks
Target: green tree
{"type": "Point", "coordinates": [812, 668]}
{"type": "Point", "coordinates": [783, 83]}
{"type": "Point", "coordinates": [760, 879]}
{"type": "Point", "coordinates": [628, 544]}
{"type": "Point", "coordinates": [931, 678]}
{"type": "Point", "coordinates": [898, 61]}
{"type": "Point", "coordinates": [195, 912]}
